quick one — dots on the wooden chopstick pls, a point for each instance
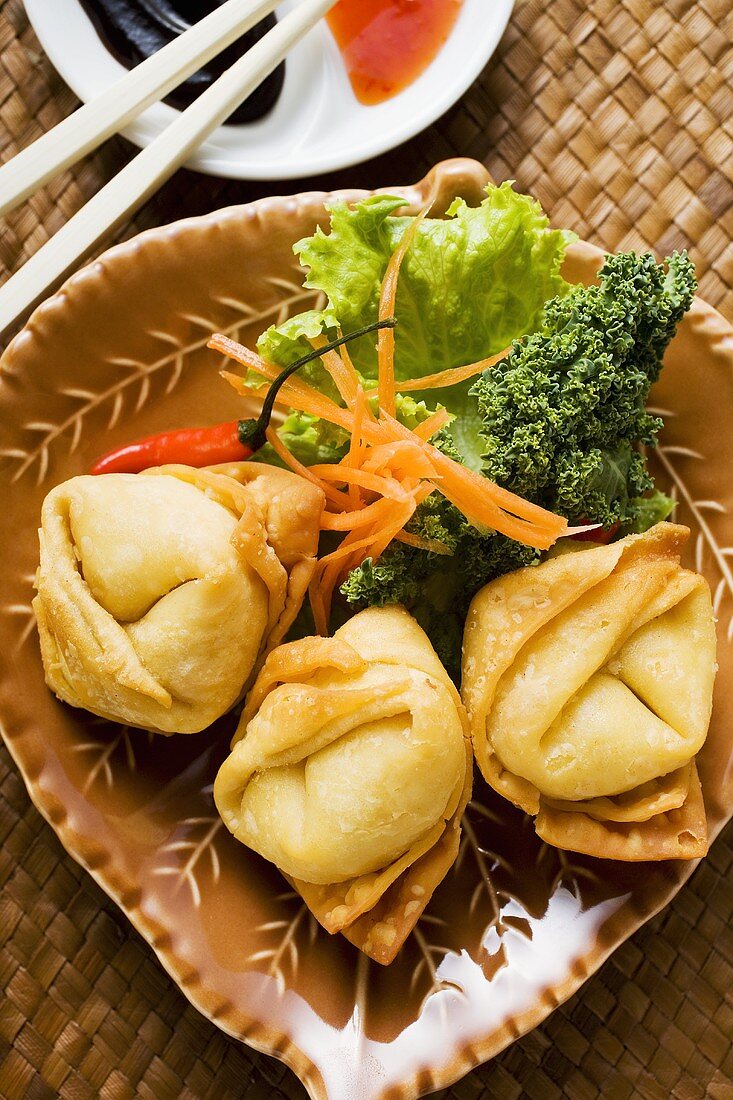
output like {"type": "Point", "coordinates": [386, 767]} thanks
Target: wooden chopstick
{"type": "Point", "coordinates": [137, 181]}
{"type": "Point", "coordinates": [110, 112]}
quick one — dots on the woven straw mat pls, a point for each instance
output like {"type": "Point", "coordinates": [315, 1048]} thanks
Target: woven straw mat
{"type": "Point", "coordinates": [616, 114]}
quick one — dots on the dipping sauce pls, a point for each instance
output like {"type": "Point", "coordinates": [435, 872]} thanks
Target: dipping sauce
{"type": "Point", "coordinates": [387, 44]}
{"type": "Point", "coordinates": [134, 29]}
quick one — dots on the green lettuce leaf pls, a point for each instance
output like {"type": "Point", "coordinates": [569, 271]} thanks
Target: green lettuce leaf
{"type": "Point", "coordinates": [470, 284]}
{"type": "Point", "coordinates": [644, 512]}
{"type": "Point", "coordinates": [286, 343]}
{"type": "Point", "coordinates": [313, 440]}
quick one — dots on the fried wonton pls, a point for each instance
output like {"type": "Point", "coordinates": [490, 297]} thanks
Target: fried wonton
{"type": "Point", "coordinates": [588, 682]}
{"type": "Point", "coordinates": [159, 593]}
{"type": "Point", "coordinates": [350, 772]}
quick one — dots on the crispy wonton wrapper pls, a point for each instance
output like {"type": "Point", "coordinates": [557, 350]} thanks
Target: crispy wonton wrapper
{"type": "Point", "coordinates": [588, 683]}
{"type": "Point", "coordinates": [350, 771]}
{"type": "Point", "coordinates": [160, 593]}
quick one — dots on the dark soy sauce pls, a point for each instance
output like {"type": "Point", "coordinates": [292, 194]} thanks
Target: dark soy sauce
{"type": "Point", "coordinates": [134, 29]}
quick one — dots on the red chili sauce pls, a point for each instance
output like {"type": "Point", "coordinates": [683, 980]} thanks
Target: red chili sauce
{"type": "Point", "coordinates": [387, 44]}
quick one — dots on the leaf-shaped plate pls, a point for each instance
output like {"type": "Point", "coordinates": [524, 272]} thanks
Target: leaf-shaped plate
{"type": "Point", "coordinates": [517, 926]}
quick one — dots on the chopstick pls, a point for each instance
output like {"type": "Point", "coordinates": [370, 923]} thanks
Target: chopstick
{"type": "Point", "coordinates": [110, 112]}
{"type": "Point", "coordinates": [138, 180]}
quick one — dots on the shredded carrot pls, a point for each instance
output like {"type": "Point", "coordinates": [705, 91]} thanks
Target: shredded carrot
{"type": "Point", "coordinates": [289, 458]}
{"type": "Point", "coordinates": [433, 424]}
{"type": "Point", "coordinates": [385, 526]}
{"type": "Point", "coordinates": [346, 548]}
{"type": "Point", "coordinates": [334, 495]}
{"type": "Point", "coordinates": [422, 491]}
{"type": "Point", "coordinates": [346, 356]}
{"type": "Point", "coordinates": [295, 394]}
{"type": "Point", "coordinates": [248, 358]}
{"type": "Point", "coordinates": [322, 586]}
{"type": "Point", "coordinates": [337, 565]}
{"type": "Point", "coordinates": [313, 403]}
{"type": "Point", "coordinates": [450, 377]}
{"type": "Point", "coordinates": [359, 517]}
{"type": "Point", "coordinates": [388, 460]}
{"type": "Point", "coordinates": [353, 458]}
{"type": "Point", "coordinates": [386, 486]}
{"type": "Point", "coordinates": [346, 380]}
{"type": "Point", "coordinates": [400, 517]}
{"type": "Point", "coordinates": [431, 545]}
{"type": "Point", "coordinates": [403, 458]}
{"type": "Point", "coordinates": [388, 297]}
{"type": "Point", "coordinates": [359, 410]}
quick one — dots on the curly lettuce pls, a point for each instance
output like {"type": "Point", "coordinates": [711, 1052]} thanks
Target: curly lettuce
{"type": "Point", "coordinates": [469, 285]}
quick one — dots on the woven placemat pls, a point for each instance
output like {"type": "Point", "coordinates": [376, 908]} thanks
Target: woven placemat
{"type": "Point", "coordinates": [617, 115]}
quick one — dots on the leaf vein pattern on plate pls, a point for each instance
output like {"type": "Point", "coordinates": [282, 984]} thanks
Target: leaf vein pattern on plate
{"type": "Point", "coordinates": [699, 509]}
{"type": "Point", "coordinates": [283, 954]}
{"type": "Point", "coordinates": [196, 850]}
{"type": "Point", "coordinates": [141, 373]}
{"type": "Point", "coordinates": [104, 751]}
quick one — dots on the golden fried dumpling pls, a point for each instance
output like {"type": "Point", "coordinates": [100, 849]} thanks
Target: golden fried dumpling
{"type": "Point", "coordinates": [588, 682]}
{"type": "Point", "coordinates": [158, 592]}
{"type": "Point", "coordinates": [350, 771]}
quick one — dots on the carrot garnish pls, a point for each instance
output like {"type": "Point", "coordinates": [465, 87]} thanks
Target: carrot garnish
{"type": "Point", "coordinates": [387, 300]}
{"type": "Point", "coordinates": [326, 577]}
{"type": "Point", "coordinates": [388, 470]}
{"type": "Point", "coordinates": [433, 546]}
{"type": "Point", "coordinates": [348, 363]}
{"type": "Point", "coordinates": [248, 358]}
{"type": "Point", "coordinates": [403, 458]}
{"type": "Point", "coordinates": [359, 517]}
{"type": "Point", "coordinates": [311, 402]}
{"type": "Point", "coordinates": [293, 394]}
{"type": "Point", "coordinates": [344, 475]}
{"type": "Point", "coordinates": [433, 424]}
{"type": "Point", "coordinates": [398, 520]}
{"type": "Point", "coordinates": [451, 377]}
{"type": "Point", "coordinates": [353, 458]}
{"type": "Point", "coordinates": [288, 458]}
{"type": "Point", "coordinates": [353, 550]}
{"type": "Point", "coordinates": [344, 377]}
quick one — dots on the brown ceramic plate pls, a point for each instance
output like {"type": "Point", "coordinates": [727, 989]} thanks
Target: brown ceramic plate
{"type": "Point", "coordinates": [517, 926]}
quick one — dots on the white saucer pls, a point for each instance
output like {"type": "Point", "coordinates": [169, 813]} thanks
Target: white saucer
{"type": "Point", "coordinates": [317, 124]}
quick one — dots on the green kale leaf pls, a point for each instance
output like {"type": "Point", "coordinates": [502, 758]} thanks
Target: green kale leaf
{"type": "Point", "coordinates": [564, 414]}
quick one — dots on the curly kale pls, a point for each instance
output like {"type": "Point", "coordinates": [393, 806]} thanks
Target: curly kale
{"type": "Point", "coordinates": [564, 413]}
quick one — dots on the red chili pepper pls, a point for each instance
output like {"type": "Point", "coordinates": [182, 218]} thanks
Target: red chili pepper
{"type": "Point", "coordinates": [189, 446]}
{"type": "Point", "coordinates": [231, 442]}
{"type": "Point", "coordinates": [602, 535]}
